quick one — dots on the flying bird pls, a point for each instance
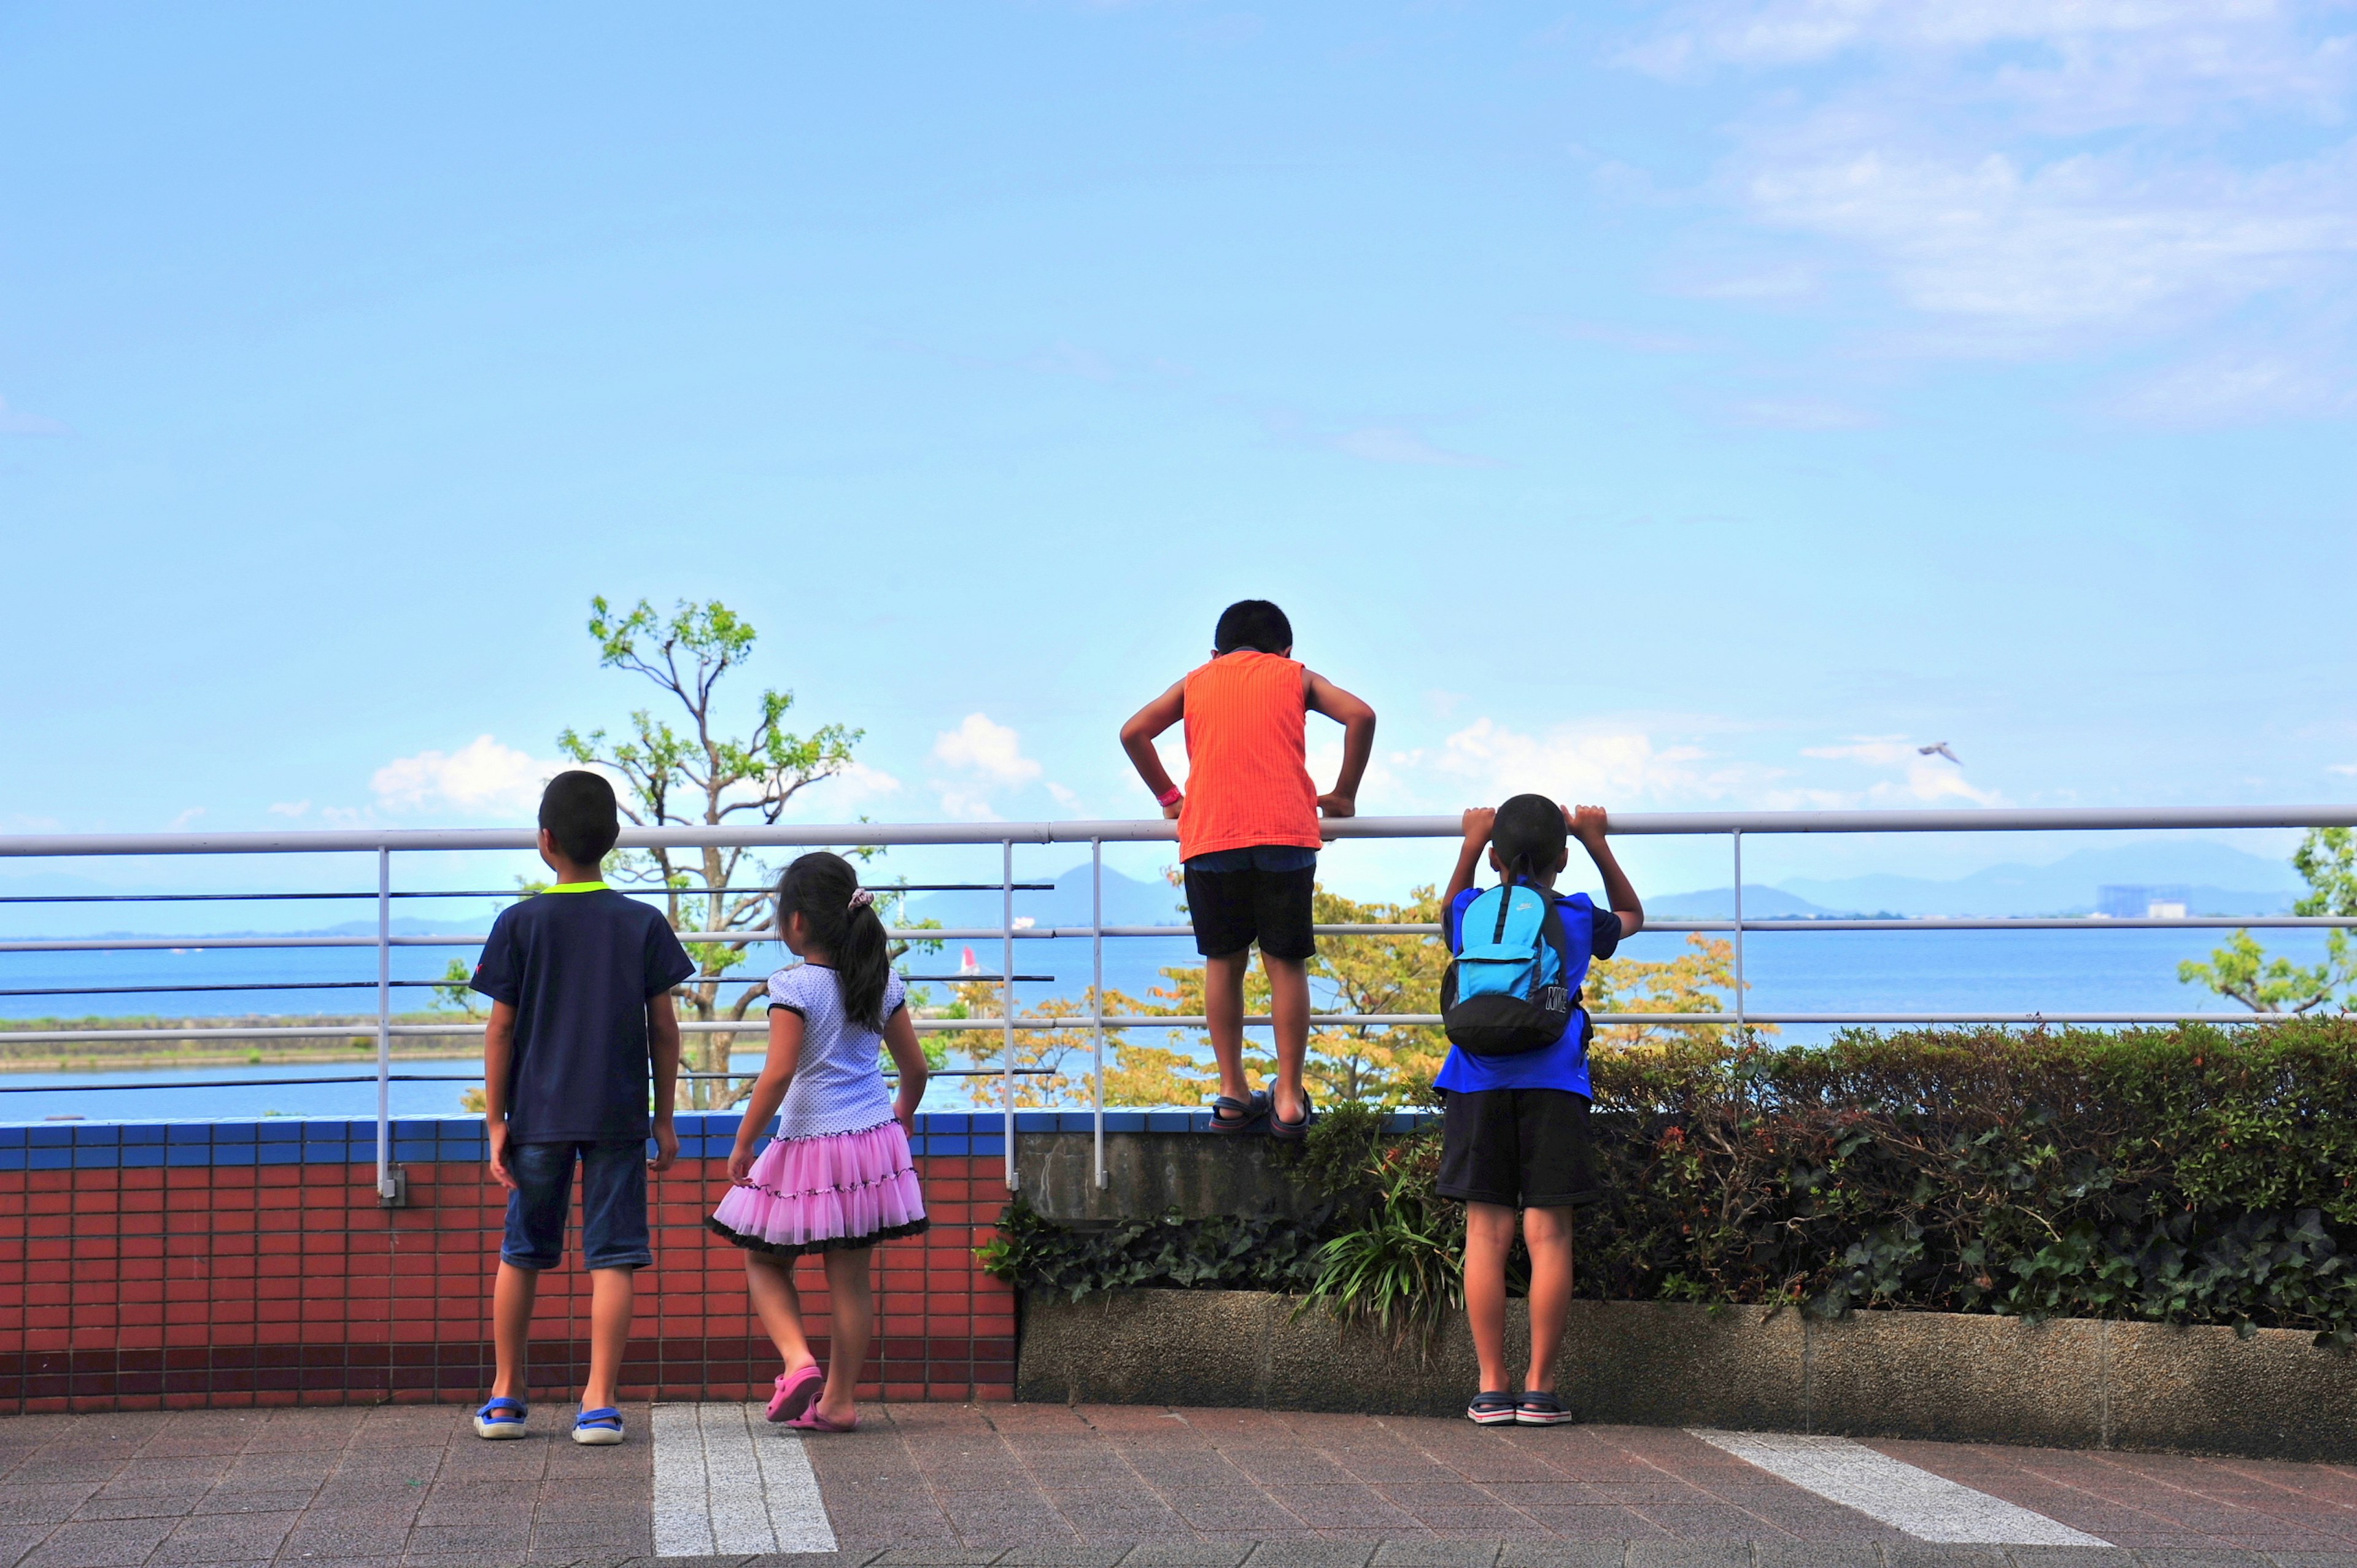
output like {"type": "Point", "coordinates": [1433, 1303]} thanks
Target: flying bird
{"type": "Point", "coordinates": [1941, 748]}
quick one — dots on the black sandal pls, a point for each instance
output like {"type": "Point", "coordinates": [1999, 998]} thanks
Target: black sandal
{"type": "Point", "coordinates": [1491, 1407]}
{"type": "Point", "coordinates": [1292, 1132]}
{"type": "Point", "coordinates": [1242, 1115]}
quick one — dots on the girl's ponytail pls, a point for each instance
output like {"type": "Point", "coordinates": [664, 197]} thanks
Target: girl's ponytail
{"type": "Point", "coordinates": [825, 890]}
{"type": "Point", "coordinates": [863, 963]}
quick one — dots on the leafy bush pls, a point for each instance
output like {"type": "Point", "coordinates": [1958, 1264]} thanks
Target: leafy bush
{"type": "Point", "coordinates": [1222, 1252]}
{"type": "Point", "coordinates": [2196, 1175]}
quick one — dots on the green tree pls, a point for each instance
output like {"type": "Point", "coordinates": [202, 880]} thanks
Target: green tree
{"type": "Point", "coordinates": [2326, 861]}
{"type": "Point", "coordinates": [688, 773]}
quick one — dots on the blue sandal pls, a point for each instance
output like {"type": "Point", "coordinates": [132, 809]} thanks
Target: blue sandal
{"type": "Point", "coordinates": [599, 1427]}
{"type": "Point", "coordinates": [1537, 1408]}
{"type": "Point", "coordinates": [1292, 1132]}
{"type": "Point", "coordinates": [1491, 1407]}
{"type": "Point", "coordinates": [1230, 1114]}
{"type": "Point", "coordinates": [501, 1417]}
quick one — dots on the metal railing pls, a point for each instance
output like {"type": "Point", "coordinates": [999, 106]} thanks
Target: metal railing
{"type": "Point", "coordinates": [1733, 825]}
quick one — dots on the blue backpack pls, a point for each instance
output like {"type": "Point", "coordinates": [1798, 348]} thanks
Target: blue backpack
{"type": "Point", "coordinates": [1515, 977]}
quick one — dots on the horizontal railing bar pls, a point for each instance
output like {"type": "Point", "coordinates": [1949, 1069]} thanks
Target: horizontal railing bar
{"type": "Point", "coordinates": [455, 1078]}
{"type": "Point", "coordinates": [1081, 933]}
{"type": "Point", "coordinates": [826, 835]}
{"type": "Point", "coordinates": [1082, 1022]}
{"type": "Point", "coordinates": [635, 891]}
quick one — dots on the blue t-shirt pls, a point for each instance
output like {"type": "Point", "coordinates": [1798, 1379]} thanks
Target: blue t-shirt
{"type": "Point", "coordinates": [1563, 1065]}
{"type": "Point", "coordinates": [579, 970]}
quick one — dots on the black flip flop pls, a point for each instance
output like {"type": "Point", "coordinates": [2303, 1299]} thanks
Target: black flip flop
{"type": "Point", "coordinates": [1240, 1115]}
{"type": "Point", "coordinates": [1292, 1132]}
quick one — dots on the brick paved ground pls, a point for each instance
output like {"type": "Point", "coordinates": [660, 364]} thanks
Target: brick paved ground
{"type": "Point", "coordinates": [1093, 1487]}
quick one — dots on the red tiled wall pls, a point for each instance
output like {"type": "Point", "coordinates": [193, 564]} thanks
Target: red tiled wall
{"type": "Point", "coordinates": [197, 1286]}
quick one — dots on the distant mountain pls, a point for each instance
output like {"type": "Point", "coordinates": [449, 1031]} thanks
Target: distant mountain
{"type": "Point", "coordinates": [1127, 902]}
{"type": "Point", "coordinates": [2220, 880]}
{"type": "Point", "coordinates": [1761, 902]}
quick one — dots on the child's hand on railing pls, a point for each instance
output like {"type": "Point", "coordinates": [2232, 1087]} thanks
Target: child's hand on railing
{"type": "Point", "coordinates": [1337, 805]}
{"type": "Point", "coordinates": [1587, 824]}
{"type": "Point", "coordinates": [1480, 822]}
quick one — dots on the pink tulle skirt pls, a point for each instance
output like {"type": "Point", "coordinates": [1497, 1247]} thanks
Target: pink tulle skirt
{"type": "Point", "coordinates": [816, 1195]}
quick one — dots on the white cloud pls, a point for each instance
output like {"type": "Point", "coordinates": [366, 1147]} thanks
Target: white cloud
{"type": "Point", "coordinates": [16, 422]}
{"type": "Point", "coordinates": [992, 750]}
{"type": "Point", "coordinates": [290, 808]}
{"type": "Point", "coordinates": [1802, 414]}
{"type": "Point", "coordinates": [2234, 388]}
{"type": "Point", "coordinates": [481, 776]}
{"type": "Point", "coordinates": [1391, 443]}
{"type": "Point", "coordinates": [2346, 768]}
{"type": "Point", "coordinates": [2029, 251]}
{"type": "Point", "coordinates": [2089, 61]}
{"type": "Point", "coordinates": [185, 818]}
{"type": "Point", "coordinates": [1575, 765]}
{"type": "Point", "coordinates": [1923, 780]}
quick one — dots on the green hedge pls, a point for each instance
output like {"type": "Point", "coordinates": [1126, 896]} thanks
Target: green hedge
{"type": "Point", "coordinates": [2196, 1175]}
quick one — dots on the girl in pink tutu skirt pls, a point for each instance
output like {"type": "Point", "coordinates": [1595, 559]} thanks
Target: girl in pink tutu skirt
{"type": "Point", "coordinates": [837, 1178]}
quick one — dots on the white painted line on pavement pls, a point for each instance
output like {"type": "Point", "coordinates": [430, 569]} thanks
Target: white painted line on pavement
{"type": "Point", "coordinates": [1906, 1497]}
{"type": "Point", "coordinates": [728, 1483]}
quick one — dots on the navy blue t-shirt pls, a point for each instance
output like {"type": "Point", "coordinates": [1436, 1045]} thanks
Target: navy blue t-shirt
{"type": "Point", "coordinates": [579, 970]}
{"type": "Point", "coordinates": [1563, 1065]}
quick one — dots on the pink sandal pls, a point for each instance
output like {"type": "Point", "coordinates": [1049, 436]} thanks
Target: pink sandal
{"type": "Point", "coordinates": [814, 1422]}
{"type": "Point", "coordinates": [796, 1392]}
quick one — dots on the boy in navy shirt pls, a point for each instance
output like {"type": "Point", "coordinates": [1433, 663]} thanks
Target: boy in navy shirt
{"type": "Point", "coordinates": [1514, 1134]}
{"type": "Point", "coordinates": [579, 979]}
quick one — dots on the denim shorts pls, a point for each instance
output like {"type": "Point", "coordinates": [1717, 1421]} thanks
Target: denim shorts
{"type": "Point", "coordinates": [613, 1204]}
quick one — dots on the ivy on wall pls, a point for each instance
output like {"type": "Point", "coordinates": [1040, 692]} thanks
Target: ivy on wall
{"type": "Point", "coordinates": [2193, 1175]}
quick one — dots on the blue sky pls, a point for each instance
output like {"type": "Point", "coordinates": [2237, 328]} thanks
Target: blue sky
{"type": "Point", "coordinates": [1667, 405]}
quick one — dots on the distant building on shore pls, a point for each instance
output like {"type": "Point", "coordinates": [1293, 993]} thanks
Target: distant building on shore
{"type": "Point", "coordinates": [2138, 901]}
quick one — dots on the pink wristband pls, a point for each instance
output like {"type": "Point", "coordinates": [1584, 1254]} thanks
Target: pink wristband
{"type": "Point", "coordinates": [1171, 797]}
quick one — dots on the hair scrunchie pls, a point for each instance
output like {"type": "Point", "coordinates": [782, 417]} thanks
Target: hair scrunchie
{"type": "Point", "coordinates": [861, 898]}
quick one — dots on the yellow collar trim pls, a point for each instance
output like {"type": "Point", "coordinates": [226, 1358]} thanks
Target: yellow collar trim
{"type": "Point", "coordinates": [576, 887]}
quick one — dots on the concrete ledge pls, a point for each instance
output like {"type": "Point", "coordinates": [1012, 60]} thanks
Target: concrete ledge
{"type": "Point", "coordinates": [2073, 1383]}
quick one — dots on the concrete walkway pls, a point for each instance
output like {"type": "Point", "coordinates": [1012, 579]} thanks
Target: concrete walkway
{"type": "Point", "coordinates": [1093, 1486]}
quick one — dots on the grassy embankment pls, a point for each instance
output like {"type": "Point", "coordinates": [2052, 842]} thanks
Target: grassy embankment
{"type": "Point", "coordinates": [341, 1038]}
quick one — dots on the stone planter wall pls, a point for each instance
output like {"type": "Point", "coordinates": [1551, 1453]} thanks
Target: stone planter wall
{"type": "Point", "coordinates": [2070, 1383]}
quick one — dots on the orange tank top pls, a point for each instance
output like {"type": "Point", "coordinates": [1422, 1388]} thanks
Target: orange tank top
{"type": "Point", "coordinates": [1247, 780]}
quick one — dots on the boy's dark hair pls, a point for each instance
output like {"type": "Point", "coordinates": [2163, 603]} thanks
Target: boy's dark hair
{"type": "Point", "coordinates": [1252, 623]}
{"type": "Point", "coordinates": [578, 809]}
{"type": "Point", "coordinates": [818, 887]}
{"type": "Point", "coordinates": [1529, 837]}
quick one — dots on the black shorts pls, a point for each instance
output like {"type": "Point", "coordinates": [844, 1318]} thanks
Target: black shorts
{"type": "Point", "coordinates": [1234, 910]}
{"type": "Point", "coordinates": [1523, 1148]}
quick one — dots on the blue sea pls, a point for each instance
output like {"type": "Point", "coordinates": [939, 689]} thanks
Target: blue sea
{"type": "Point", "coordinates": [2091, 969]}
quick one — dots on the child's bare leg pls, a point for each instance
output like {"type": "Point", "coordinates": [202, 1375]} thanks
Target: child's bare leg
{"type": "Point", "coordinates": [1547, 1233]}
{"type": "Point", "coordinates": [512, 1295]}
{"type": "Point", "coordinates": [1489, 1237]}
{"type": "Point", "coordinates": [1224, 1007]}
{"type": "Point", "coordinates": [850, 1322]}
{"type": "Point", "coordinates": [1289, 985]}
{"type": "Point", "coordinates": [609, 1333]}
{"type": "Point", "coordinates": [770, 1282]}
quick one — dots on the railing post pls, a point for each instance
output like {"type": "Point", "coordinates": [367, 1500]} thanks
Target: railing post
{"type": "Point", "coordinates": [1007, 1000]}
{"type": "Point", "coordinates": [1096, 993]}
{"type": "Point", "coordinates": [389, 1184]}
{"type": "Point", "coordinates": [1739, 1024]}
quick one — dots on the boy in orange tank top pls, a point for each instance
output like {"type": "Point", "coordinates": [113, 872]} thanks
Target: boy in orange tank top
{"type": "Point", "coordinates": [1248, 835]}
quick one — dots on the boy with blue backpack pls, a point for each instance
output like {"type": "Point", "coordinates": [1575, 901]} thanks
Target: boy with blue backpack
{"type": "Point", "coordinates": [1514, 1089]}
